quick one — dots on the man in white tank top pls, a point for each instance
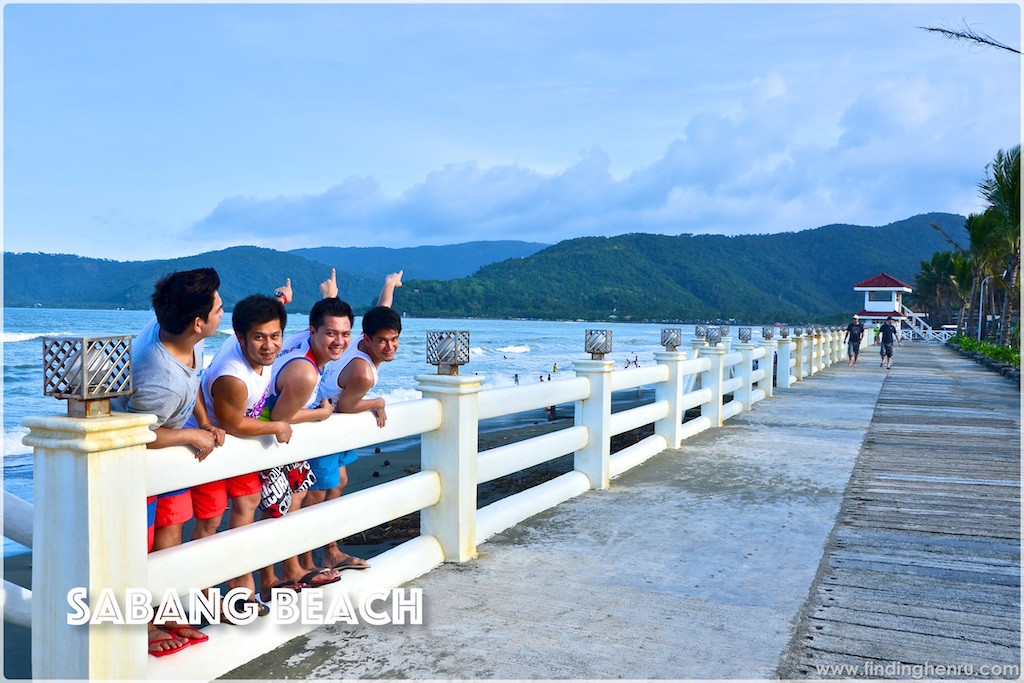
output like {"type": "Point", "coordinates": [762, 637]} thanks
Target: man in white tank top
{"type": "Point", "coordinates": [236, 387]}
{"type": "Point", "coordinates": [345, 382]}
{"type": "Point", "coordinates": [294, 399]}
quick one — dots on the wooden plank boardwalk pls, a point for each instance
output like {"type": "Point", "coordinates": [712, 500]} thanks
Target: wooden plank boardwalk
{"type": "Point", "coordinates": [923, 565]}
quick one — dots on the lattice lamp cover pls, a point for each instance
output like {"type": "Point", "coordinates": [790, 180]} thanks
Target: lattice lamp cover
{"type": "Point", "coordinates": [87, 371]}
{"type": "Point", "coordinates": [448, 350]}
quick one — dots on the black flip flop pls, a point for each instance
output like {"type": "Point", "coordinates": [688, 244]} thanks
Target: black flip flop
{"type": "Point", "coordinates": [309, 581]}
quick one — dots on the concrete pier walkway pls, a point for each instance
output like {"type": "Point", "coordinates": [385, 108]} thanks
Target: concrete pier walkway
{"type": "Point", "coordinates": [702, 563]}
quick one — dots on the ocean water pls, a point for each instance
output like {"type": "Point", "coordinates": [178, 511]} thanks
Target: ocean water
{"type": "Point", "coordinates": [500, 349]}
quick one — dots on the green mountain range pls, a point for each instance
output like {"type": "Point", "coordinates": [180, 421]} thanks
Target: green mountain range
{"type": "Point", "coordinates": [787, 276]}
{"type": "Point", "coordinates": [66, 281]}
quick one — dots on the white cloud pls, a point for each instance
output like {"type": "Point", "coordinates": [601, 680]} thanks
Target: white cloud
{"type": "Point", "coordinates": [783, 160]}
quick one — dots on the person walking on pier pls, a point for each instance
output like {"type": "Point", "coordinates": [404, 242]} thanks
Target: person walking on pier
{"type": "Point", "coordinates": [345, 382]}
{"type": "Point", "coordinates": [889, 335]}
{"type": "Point", "coordinates": [854, 333]}
{"type": "Point", "coordinates": [167, 364]}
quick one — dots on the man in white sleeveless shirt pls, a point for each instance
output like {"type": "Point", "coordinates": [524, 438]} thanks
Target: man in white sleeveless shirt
{"type": "Point", "coordinates": [345, 382]}
{"type": "Point", "coordinates": [236, 387]}
{"type": "Point", "coordinates": [294, 399]}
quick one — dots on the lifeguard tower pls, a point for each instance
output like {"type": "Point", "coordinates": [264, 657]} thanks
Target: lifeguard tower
{"type": "Point", "coordinates": [883, 297]}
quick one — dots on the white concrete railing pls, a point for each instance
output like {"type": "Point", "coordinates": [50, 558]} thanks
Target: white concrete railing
{"type": "Point", "coordinates": [92, 477]}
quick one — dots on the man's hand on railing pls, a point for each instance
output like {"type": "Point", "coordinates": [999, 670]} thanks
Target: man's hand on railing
{"type": "Point", "coordinates": [282, 431]}
{"type": "Point", "coordinates": [218, 433]}
{"type": "Point", "coordinates": [325, 410]}
{"type": "Point", "coordinates": [203, 442]}
{"type": "Point", "coordinates": [380, 414]}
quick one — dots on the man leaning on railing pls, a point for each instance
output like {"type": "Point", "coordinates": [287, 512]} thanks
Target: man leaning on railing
{"type": "Point", "coordinates": [167, 369]}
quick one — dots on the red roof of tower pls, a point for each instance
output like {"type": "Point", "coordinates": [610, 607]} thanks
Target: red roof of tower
{"type": "Point", "coordinates": [880, 314]}
{"type": "Point", "coordinates": [883, 280]}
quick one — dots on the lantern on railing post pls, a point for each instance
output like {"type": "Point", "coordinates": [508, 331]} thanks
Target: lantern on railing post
{"type": "Point", "coordinates": [745, 334]}
{"type": "Point", "coordinates": [723, 331]}
{"type": "Point", "coordinates": [784, 332]}
{"type": "Point", "coordinates": [713, 336]}
{"type": "Point", "coordinates": [448, 350]}
{"type": "Point", "coordinates": [87, 371]}
{"type": "Point", "coordinates": [450, 451]}
{"type": "Point", "coordinates": [598, 343]}
{"type": "Point", "coordinates": [767, 332]}
{"type": "Point", "coordinates": [671, 338]}
{"type": "Point", "coordinates": [700, 331]}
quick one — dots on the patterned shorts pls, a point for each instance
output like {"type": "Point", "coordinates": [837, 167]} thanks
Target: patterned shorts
{"type": "Point", "coordinates": [278, 484]}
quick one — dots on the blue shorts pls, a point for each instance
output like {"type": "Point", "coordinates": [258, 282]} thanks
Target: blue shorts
{"type": "Point", "coordinates": [326, 469]}
{"type": "Point", "coordinates": [150, 522]}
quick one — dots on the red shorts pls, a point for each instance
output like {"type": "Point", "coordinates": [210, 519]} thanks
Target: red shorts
{"type": "Point", "coordinates": [174, 507]}
{"type": "Point", "coordinates": [210, 500]}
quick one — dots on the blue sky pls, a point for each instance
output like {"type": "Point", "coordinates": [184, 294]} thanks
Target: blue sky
{"type": "Point", "coordinates": [149, 131]}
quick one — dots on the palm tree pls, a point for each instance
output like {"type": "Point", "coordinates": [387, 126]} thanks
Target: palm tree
{"type": "Point", "coordinates": [934, 287]}
{"type": "Point", "coordinates": [1001, 189]}
{"type": "Point", "coordinates": [963, 281]}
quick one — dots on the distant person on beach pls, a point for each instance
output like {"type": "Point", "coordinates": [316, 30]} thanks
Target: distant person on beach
{"type": "Point", "coordinates": [516, 378]}
{"type": "Point", "coordinates": [294, 398]}
{"type": "Point", "coordinates": [889, 335]}
{"type": "Point", "coordinates": [346, 382]}
{"type": "Point", "coordinates": [554, 368]}
{"type": "Point", "coordinates": [854, 333]}
{"type": "Point", "coordinates": [236, 387]}
{"type": "Point", "coordinates": [167, 365]}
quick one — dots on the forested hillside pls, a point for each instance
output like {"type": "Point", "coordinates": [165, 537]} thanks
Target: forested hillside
{"type": "Point", "coordinates": [655, 277]}
{"type": "Point", "coordinates": [65, 281]}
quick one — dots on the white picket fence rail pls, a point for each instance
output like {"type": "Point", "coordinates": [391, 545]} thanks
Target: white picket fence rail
{"type": "Point", "coordinates": [92, 477]}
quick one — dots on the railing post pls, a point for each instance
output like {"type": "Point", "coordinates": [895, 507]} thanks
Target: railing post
{"type": "Point", "coordinates": [451, 451]}
{"type": "Point", "coordinates": [89, 531]}
{"type": "Point", "coordinates": [767, 384]}
{"type": "Point", "coordinates": [594, 413]}
{"type": "Point", "coordinates": [800, 342]}
{"type": "Point", "coordinates": [744, 370]}
{"type": "Point", "coordinates": [712, 379]}
{"type": "Point", "coordinates": [671, 390]}
{"type": "Point", "coordinates": [814, 357]}
{"type": "Point", "coordinates": [782, 375]}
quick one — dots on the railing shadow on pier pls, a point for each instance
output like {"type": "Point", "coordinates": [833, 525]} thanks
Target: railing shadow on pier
{"type": "Point", "coordinates": [92, 477]}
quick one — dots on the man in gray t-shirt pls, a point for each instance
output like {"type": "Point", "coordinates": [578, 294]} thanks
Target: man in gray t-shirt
{"type": "Point", "coordinates": [164, 386]}
{"type": "Point", "coordinates": [167, 363]}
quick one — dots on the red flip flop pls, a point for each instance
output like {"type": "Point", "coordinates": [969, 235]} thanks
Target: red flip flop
{"type": "Point", "coordinates": [177, 630]}
{"type": "Point", "coordinates": [164, 653]}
